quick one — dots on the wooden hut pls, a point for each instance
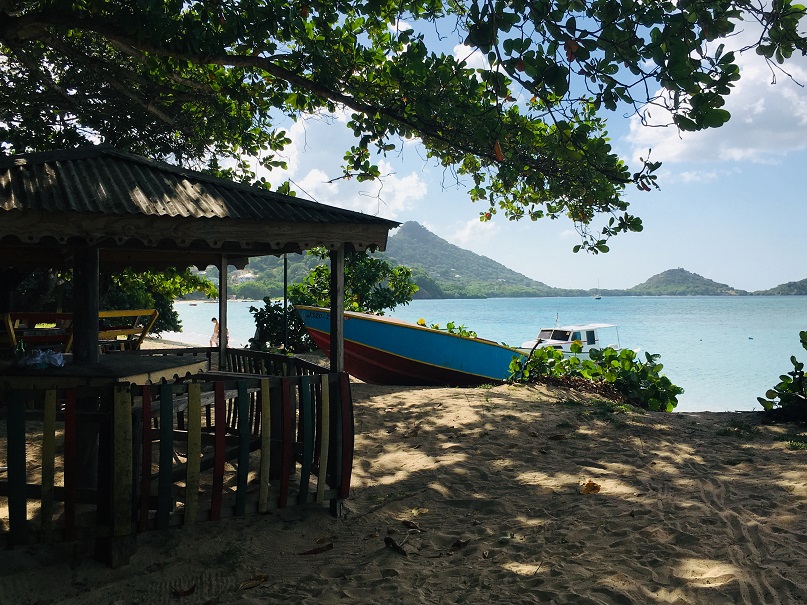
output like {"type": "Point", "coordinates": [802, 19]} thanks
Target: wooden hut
{"type": "Point", "coordinates": [99, 208]}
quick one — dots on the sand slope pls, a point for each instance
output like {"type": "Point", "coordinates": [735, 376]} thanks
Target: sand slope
{"type": "Point", "coordinates": [474, 496]}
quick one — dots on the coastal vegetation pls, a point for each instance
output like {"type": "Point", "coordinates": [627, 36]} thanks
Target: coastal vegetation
{"type": "Point", "coordinates": [279, 328]}
{"type": "Point", "coordinates": [679, 282]}
{"type": "Point", "coordinates": [457, 272]}
{"type": "Point", "coordinates": [617, 374]}
{"type": "Point", "coordinates": [791, 288]}
{"type": "Point", "coordinates": [788, 400]}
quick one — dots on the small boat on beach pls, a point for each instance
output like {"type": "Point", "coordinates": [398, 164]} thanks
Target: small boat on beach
{"type": "Point", "coordinates": [384, 350]}
{"type": "Point", "coordinates": [562, 338]}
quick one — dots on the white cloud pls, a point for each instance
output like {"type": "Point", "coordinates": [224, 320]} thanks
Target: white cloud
{"type": "Point", "coordinates": [473, 58]}
{"type": "Point", "coordinates": [400, 26]}
{"type": "Point", "coordinates": [316, 185]}
{"type": "Point", "coordinates": [390, 197]}
{"type": "Point", "coordinates": [474, 234]}
{"type": "Point", "coordinates": [767, 121]}
{"type": "Point", "coordinates": [706, 176]}
{"type": "Point", "coordinates": [314, 159]}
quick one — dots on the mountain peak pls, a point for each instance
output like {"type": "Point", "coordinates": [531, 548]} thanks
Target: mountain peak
{"type": "Point", "coordinates": [457, 273]}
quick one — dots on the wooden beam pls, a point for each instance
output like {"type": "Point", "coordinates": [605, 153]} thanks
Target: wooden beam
{"type": "Point", "coordinates": [86, 305]}
{"type": "Point", "coordinates": [252, 237]}
{"type": "Point", "coordinates": [222, 311]}
{"type": "Point", "coordinates": [338, 309]}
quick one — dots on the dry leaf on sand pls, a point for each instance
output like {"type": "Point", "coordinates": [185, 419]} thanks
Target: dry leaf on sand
{"type": "Point", "coordinates": [253, 582]}
{"type": "Point", "coordinates": [318, 549]}
{"type": "Point", "coordinates": [590, 488]}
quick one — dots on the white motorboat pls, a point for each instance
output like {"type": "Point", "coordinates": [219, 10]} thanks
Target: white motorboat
{"type": "Point", "coordinates": [588, 336]}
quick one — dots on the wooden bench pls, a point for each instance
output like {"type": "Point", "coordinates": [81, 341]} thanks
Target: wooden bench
{"type": "Point", "coordinates": [117, 330]}
{"type": "Point", "coordinates": [125, 330]}
{"type": "Point", "coordinates": [37, 330]}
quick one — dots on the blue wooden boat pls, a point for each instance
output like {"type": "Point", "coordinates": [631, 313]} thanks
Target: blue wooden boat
{"type": "Point", "coordinates": [384, 350]}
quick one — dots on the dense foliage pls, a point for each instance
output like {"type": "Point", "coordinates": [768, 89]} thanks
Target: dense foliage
{"type": "Point", "coordinates": [788, 400]}
{"type": "Point", "coordinates": [48, 290]}
{"type": "Point", "coordinates": [153, 290]}
{"type": "Point", "coordinates": [206, 82]}
{"type": "Point", "coordinates": [372, 285]}
{"type": "Point", "coordinates": [639, 383]}
{"type": "Point", "coordinates": [278, 328]}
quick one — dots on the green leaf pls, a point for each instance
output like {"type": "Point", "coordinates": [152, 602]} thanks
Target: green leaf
{"type": "Point", "coordinates": [767, 405]}
{"type": "Point", "coordinates": [685, 123]}
{"type": "Point", "coordinates": [715, 118]}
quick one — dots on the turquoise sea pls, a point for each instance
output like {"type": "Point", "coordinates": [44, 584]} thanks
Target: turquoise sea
{"type": "Point", "coordinates": [724, 351]}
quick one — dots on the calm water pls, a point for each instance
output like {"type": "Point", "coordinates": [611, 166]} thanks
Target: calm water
{"type": "Point", "coordinates": [725, 352]}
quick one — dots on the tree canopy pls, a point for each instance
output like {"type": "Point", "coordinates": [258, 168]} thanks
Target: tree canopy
{"type": "Point", "coordinates": [200, 82]}
{"type": "Point", "coordinates": [372, 284]}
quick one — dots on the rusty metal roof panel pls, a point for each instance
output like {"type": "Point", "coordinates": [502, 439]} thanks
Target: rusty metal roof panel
{"type": "Point", "coordinates": [104, 180]}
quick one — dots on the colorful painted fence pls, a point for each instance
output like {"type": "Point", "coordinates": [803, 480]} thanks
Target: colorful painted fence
{"type": "Point", "coordinates": [169, 455]}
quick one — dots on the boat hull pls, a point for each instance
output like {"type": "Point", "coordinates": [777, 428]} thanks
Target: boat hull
{"type": "Point", "coordinates": [381, 350]}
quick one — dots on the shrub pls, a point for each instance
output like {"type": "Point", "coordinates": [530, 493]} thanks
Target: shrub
{"type": "Point", "coordinates": [640, 383]}
{"type": "Point", "coordinates": [269, 329]}
{"type": "Point", "coordinates": [787, 400]}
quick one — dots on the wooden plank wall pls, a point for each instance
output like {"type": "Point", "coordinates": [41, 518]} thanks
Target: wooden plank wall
{"type": "Point", "coordinates": [178, 454]}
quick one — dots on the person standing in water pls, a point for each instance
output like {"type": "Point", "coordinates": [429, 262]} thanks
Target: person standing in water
{"type": "Point", "coordinates": [214, 339]}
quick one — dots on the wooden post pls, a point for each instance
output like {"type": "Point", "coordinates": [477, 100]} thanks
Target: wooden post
{"type": "Point", "coordinates": [115, 503]}
{"type": "Point", "coordinates": [223, 313]}
{"type": "Point", "coordinates": [17, 474]}
{"type": "Point", "coordinates": [85, 305]}
{"type": "Point", "coordinates": [338, 309]}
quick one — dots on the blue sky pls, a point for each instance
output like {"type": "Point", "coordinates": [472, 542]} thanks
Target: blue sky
{"type": "Point", "coordinates": [731, 206]}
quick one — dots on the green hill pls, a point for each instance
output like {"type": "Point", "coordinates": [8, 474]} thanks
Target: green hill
{"type": "Point", "coordinates": [791, 288]}
{"type": "Point", "coordinates": [679, 282]}
{"type": "Point", "coordinates": [443, 270]}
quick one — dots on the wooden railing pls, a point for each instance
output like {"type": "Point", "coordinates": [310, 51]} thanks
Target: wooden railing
{"type": "Point", "coordinates": [161, 456]}
{"type": "Point", "coordinates": [247, 361]}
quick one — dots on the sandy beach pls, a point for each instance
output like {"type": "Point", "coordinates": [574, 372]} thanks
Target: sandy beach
{"type": "Point", "coordinates": [491, 495]}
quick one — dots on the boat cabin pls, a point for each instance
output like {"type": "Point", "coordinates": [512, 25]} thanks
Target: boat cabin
{"type": "Point", "coordinates": [562, 337]}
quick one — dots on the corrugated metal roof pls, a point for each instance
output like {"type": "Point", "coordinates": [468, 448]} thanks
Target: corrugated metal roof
{"type": "Point", "coordinates": [102, 179]}
{"type": "Point", "coordinates": [135, 210]}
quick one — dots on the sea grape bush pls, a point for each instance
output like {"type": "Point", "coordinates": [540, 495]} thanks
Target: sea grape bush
{"type": "Point", "coordinates": [787, 399]}
{"type": "Point", "coordinates": [639, 382]}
